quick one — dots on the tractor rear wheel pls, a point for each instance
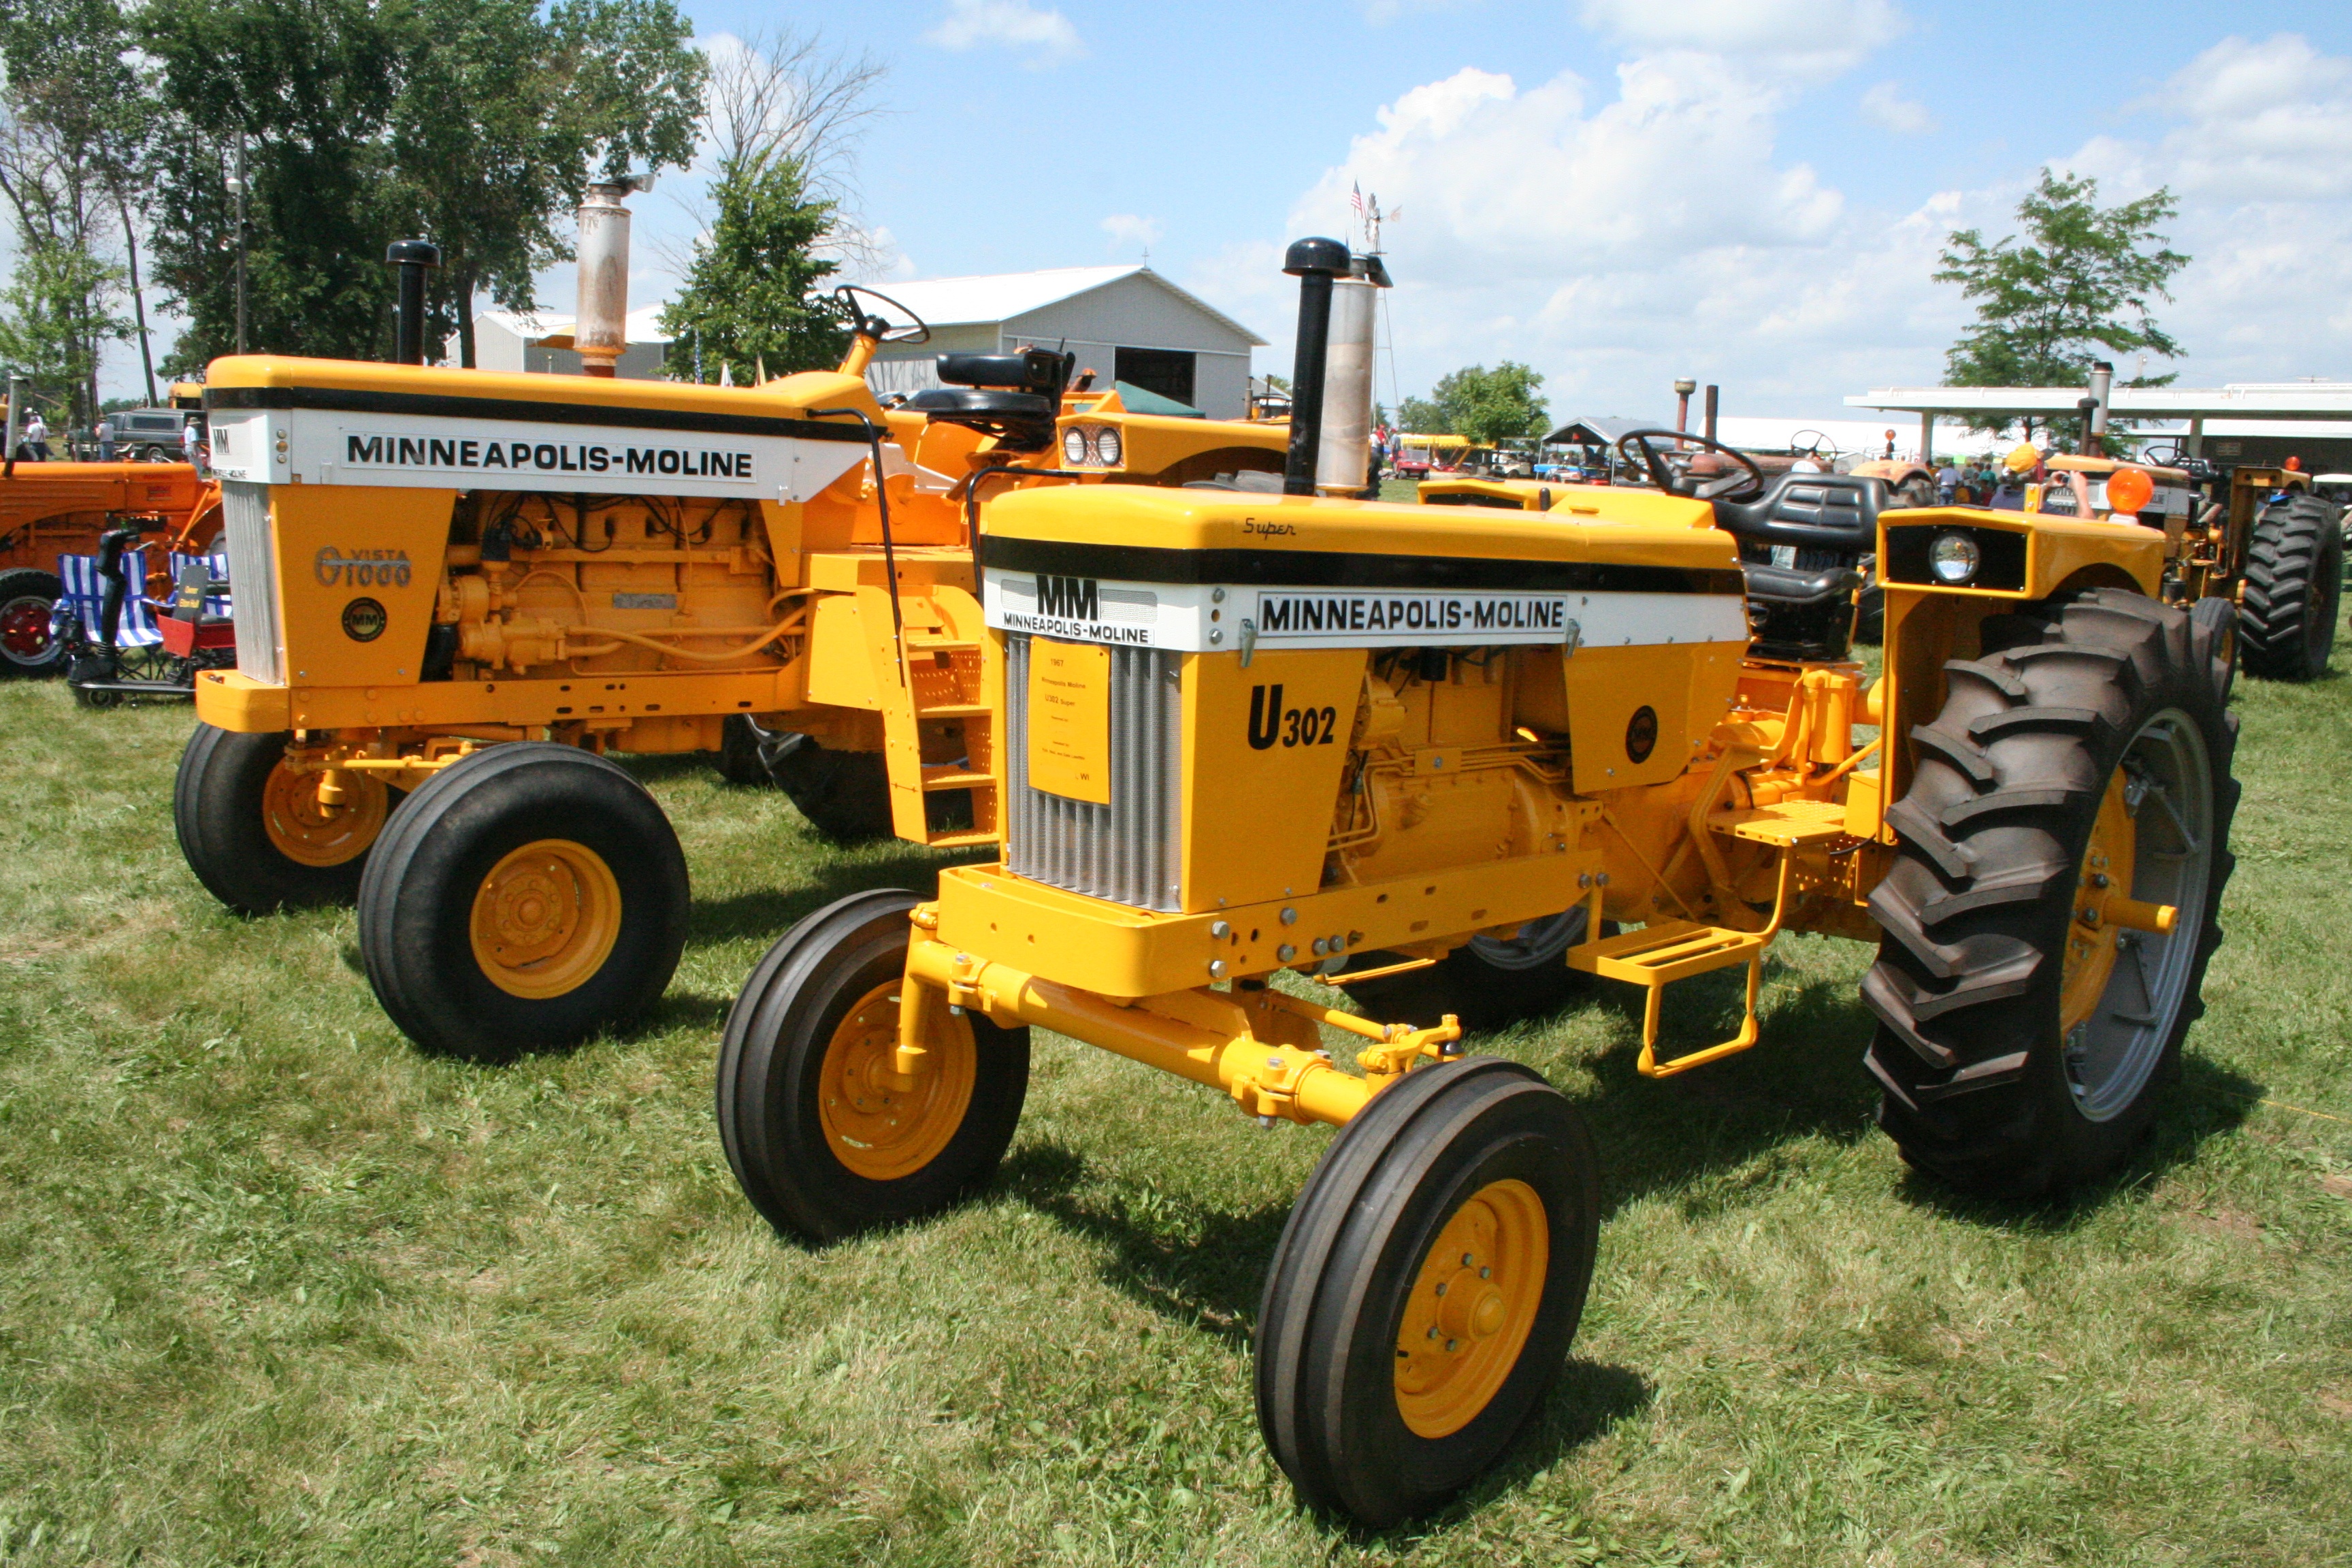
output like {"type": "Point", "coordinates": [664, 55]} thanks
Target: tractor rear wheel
{"type": "Point", "coordinates": [27, 598]}
{"type": "Point", "coordinates": [1487, 982]}
{"type": "Point", "coordinates": [255, 832]}
{"type": "Point", "coordinates": [2294, 578]}
{"type": "Point", "coordinates": [822, 1136]}
{"type": "Point", "coordinates": [523, 898]}
{"type": "Point", "coordinates": [2030, 991]}
{"type": "Point", "coordinates": [845, 795]}
{"type": "Point", "coordinates": [1426, 1289]}
{"type": "Point", "coordinates": [739, 754]}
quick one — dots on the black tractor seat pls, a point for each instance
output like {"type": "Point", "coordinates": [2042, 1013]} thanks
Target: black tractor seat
{"type": "Point", "coordinates": [1013, 397]}
{"type": "Point", "coordinates": [1802, 544]}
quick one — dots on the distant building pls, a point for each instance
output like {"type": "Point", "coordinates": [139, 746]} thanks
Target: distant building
{"type": "Point", "coordinates": [504, 340]}
{"type": "Point", "coordinates": [1124, 323]}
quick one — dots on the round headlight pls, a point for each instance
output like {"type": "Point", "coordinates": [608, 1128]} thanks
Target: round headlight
{"type": "Point", "coordinates": [1107, 450]}
{"type": "Point", "coordinates": [1954, 557]}
{"type": "Point", "coordinates": [1074, 446]}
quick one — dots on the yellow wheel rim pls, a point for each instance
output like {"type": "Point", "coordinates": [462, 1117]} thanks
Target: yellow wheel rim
{"type": "Point", "coordinates": [877, 1123]}
{"type": "Point", "coordinates": [1472, 1306]}
{"type": "Point", "coordinates": [309, 832]}
{"type": "Point", "coordinates": [545, 919]}
{"type": "Point", "coordinates": [2105, 876]}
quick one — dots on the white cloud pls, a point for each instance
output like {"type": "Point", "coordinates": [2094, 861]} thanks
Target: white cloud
{"type": "Point", "coordinates": [1813, 39]}
{"type": "Point", "coordinates": [1129, 231]}
{"type": "Point", "coordinates": [1008, 24]}
{"type": "Point", "coordinates": [1886, 107]}
{"type": "Point", "coordinates": [2259, 155]}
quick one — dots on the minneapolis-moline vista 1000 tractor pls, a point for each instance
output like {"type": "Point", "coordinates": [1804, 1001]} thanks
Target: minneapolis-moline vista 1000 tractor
{"type": "Point", "coordinates": [458, 590]}
{"type": "Point", "coordinates": [1243, 734]}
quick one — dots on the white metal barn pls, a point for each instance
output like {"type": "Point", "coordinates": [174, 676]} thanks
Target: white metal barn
{"type": "Point", "coordinates": [1124, 323]}
{"type": "Point", "coordinates": [506, 340]}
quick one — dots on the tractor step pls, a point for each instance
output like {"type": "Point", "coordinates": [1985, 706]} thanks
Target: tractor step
{"type": "Point", "coordinates": [947, 775]}
{"type": "Point", "coordinates": [951, 711]}
{"type": "Point", "coordinates": [960, 838]}
{"type": "Point", "coordinates": [1785, 824]}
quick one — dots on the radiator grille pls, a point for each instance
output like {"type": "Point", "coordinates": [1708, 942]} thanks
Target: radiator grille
{"type": "Point", "coordinates": [1126, 851]}
{"type": "Point", "coordinates": [253, 581]}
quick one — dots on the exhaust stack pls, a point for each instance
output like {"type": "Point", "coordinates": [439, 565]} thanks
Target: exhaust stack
{"type": "Point", "coordinates": [1314, 262]}
{"type": "Point", "coordinates": [1344, 464]}
{"type": "Point", "coordinates": [2102, 384]}
{"type": "Point", "coordinates": [600, 335]}
{"type": "Point", "coordinates": [412, 257]}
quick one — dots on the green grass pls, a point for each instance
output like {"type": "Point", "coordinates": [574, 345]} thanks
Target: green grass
{"type": "Point", "coordinates": [276, 1288]}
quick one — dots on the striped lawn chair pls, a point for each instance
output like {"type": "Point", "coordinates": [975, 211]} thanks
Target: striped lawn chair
{"type": "Point", "coordinates": [85, 591]}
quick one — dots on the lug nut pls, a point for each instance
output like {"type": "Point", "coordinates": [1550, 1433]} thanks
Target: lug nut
{"type": "Point", "coordinates": [1290, 917]}
{"type": "Point", "coordinates": [1217, 968]}
{"type": "Point", "coordinates": [1284, 954]}
{"type": "Point", "coordinates": [1321, 946]}
{"type": "Point", "coordinates": [1221, 929]}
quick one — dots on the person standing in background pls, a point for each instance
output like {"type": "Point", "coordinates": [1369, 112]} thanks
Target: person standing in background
{"type": "Point", "coordinates": [188, 451]}
{"type": "Point", "coordinates": [105, 434]}
{"type": "Point", "coordinates": [36, 437]}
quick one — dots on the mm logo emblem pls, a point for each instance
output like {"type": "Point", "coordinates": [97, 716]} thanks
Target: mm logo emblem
{"type": "Point", "coordinates": [1067, 598]}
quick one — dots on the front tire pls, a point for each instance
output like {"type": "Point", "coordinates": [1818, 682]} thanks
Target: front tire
{"type": "Point", "coordinates": [27, 598]}
{"type": "Point", "coordinates": [2295, 579]}
{"type": "Point", "coordinates": [2026, 1009]}
{"type": "Point", "coordinates": [523, 898]}
{"type": "Point", "coordinates": [1426, 1289]}
{"type": "Point", "coordinates": [821, 1138]}
{"type": "Point", "coordinates": [255, 832]}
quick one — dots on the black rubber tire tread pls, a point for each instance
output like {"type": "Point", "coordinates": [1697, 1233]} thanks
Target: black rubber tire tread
{"type": "Point", "coordinates": [770, 1056]}
{"type": "Point", "coordinates": [1463, 984]}
{"type": "Point", "coordinates": [416, 898]}
{"type": "Point", "coordinates": [216, 814]}
{"type": "Point", "coordinates": [1976, 908]}
{"type": "Point", "coordinates": [16, 585]}
{"type": "Point", "coordinates": [2294, 580]}
{"type": "Point", "coordinates": [845, 795]}
{"type": "Point", "coordinates": [1327, 1320]}
{"type": "Point", "coordinates": [738, 755]}
{"type": "Point", "coordinates": [2219, 620]}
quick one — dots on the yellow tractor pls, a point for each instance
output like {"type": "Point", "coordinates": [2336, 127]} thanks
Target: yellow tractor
{"type": "Point", "coordinates": [1248, 739]}
{"type": "Point", "coordinates": [460, 591]}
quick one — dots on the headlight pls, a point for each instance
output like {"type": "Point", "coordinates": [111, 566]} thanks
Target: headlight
{"type": "Point", "coordinates": [1954, 557]}
{"type": "Point", "coordinates": [1074, 446]}
{"type": "Point", "coordinates": [1107, 448]}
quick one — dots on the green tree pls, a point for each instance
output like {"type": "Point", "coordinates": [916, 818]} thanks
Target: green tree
{"type": "Point", "coordinates": [69, 142]}
{"type": "Point", "coordinates": [783, 118]}
{"type": "Point", "coordinates": [1483, 404]}
{"type": "Point", "coordinates": [504, 113]}
{"type": "Point", "coordinates": [2077, 288]}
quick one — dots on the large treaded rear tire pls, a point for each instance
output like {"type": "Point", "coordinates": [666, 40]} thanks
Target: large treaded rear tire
{"type": "Point", "coordinates": [845, 795]}
{"type": "Point", "coordinates": [1980, 1085]}
{"type": "Point", "coordinates": [2295, 579]}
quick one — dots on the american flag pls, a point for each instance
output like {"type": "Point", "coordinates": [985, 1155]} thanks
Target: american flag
{"type": "Point", "coordinates": [1356, 198]}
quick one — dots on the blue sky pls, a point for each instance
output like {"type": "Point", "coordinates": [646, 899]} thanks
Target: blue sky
{"type": "Point", "coordinates": [1619, 191]}
{"type": "Point", "coordinates": [1616, 191]}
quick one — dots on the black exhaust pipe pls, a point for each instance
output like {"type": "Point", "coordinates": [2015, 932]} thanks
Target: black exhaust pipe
{"type": "Point", "coordinates": [1314, 262]}
{"type": "Point", "coordinates": [412, 257]}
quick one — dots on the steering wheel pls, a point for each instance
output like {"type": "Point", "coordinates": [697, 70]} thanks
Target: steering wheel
{"type": "Point", "coordinates": [874, 324]}
{"type": "Point", "coordinates": [1643, 446]}
{"type": "Point", "coordinates": [1801, 447]}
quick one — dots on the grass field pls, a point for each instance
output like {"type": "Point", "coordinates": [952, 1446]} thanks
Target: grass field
{"type": "Point", "coordinates": [276, 1288]}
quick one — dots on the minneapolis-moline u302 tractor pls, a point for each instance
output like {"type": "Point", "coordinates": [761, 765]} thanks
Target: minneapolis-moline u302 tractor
{"type": "Point", "coordinates": [458, 590]}
{"type": "Point", "coordinates": [1244, 734]}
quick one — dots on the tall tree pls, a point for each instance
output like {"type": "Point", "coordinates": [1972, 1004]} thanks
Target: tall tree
{"type": "Point", "coordinates": [782, 117]}
{"type": "Point", "coordinates": [505, 113]}
{"type": "Point", "coordinates": [70, 133]}
{"type": "Point", "coordinates": [2079, 282]}
{"type": "Point", "coordinates": [1483, 404]}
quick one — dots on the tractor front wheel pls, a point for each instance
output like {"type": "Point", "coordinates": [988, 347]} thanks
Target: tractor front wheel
{"type": "Point", "coordinates": [2051, 906]}
{"type": "Point", "coordinates": [27, 599]}
{"type": "Point", "coordinates": [1426, 1289]}
{"type": "Point", "coordinates": [2294, 578]}
{"type": "Point", "coordinates": [255, 832]}
{"type": "Point", "coordinates": [824, 1136]}
{"type": "Point", "coordinates": [523, 898]}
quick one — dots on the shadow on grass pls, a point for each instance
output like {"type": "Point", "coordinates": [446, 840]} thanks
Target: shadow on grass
{"type": "Point", "coordinates": [2208, 1100]}
{"type": "Point", "coordinates": [1204, 1268]}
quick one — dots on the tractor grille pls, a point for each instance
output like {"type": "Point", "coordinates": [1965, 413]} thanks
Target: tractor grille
{"type": "Point", "coordinates": [1126, 851]}
{"type": "Point", "coordinates": [253, 581]}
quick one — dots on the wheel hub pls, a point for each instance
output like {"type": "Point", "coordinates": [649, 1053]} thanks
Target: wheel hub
{"type": "Point", "coordinates": [878, 1124]}
{"type": "Point", "coordinates": [545, 919]}
{"type": "Point", "coordinates": [309, 831]}
{"type": "Point", "coordinates": [1472, 1306]}
{"type": "Point", "coordinates": [25, 630]}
